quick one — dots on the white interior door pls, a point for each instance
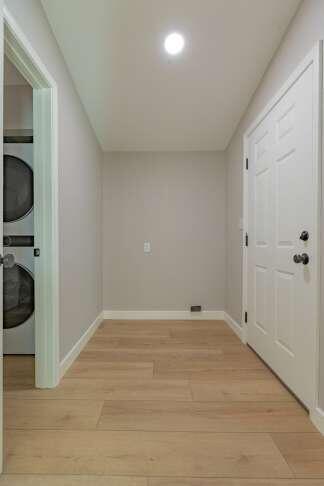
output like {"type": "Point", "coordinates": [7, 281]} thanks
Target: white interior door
{"type": "Point", "coordinates": [282, 267]}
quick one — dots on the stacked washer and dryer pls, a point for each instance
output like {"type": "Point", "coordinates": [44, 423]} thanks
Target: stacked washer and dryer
{"type": "Point", "coordinates": [18, 271]}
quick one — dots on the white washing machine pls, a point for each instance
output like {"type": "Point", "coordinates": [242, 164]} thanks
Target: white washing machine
{"type": "Point", "coordinates": [18, 271]}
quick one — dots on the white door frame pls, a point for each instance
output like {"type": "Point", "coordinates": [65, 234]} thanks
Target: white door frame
{"type": "Point", "coordinates": [315, 57]}
{"type": "Point", "coordinates": [45, 119]}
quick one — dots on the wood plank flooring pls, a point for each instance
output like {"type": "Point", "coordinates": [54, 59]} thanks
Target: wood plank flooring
{"type": "Point", "coordinates": [159, 403]}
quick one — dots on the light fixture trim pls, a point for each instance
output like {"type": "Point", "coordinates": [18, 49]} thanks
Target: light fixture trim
{"type": "Point", "coordinates": [174, 43]}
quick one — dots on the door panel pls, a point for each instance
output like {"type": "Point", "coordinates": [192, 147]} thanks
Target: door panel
{"type": "Point", "coordinates": [284, 311]}
{"type": "Point", "coordinates": [260, 230]}
{"type": "Point", "coordinates": [282, 204]}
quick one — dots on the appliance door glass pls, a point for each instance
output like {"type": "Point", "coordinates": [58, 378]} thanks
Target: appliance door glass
{"type": "Point", "coordinates": [18, 189]}
{"type": "Point", "coordinates": [18, 296]}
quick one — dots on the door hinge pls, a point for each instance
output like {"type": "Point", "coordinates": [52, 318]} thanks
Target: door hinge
{"type": "Point", "coordinates": [247, 164]}
{"type": "Point", "coordinates": [245, 317]}
{"type": "Point", "coordinates": [246, 239]}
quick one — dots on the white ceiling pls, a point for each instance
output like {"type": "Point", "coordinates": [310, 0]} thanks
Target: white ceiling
{"type": "Point", "coordinates": [139, 99]}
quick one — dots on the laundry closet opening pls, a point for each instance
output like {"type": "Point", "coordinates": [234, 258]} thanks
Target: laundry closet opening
{"type": "Point", "coordinates": [30, 216]}
{"type": "Point", "coordinates": [18, 221]}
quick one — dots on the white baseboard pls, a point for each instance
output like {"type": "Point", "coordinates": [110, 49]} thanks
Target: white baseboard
{"type": "Point", "coordinates": [235, 326]}
{"type": "Point", "coordinates": [77, 348]}
{"type": "Point", "coordinates": [163, 315]}
{"type": "Point", "coordinates": [317, 417]}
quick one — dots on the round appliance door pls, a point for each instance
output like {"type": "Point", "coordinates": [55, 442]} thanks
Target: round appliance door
{"type": "Point", "coordinates": [18, 296]}
{"type": "Point", "coordinates": [18, 189]}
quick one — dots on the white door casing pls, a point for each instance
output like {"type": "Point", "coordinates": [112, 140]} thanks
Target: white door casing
{"type": "Point", "coordinates": [282, 200]}
{"type": "Point", "coordinates": [46, 221]}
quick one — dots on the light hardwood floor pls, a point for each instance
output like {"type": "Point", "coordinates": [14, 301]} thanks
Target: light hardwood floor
{"type": "Point", "coordinates": [159, 403]}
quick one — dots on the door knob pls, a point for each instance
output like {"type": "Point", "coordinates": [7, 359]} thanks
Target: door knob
{"type": "Point", "coordinates": [303, 258]}
{"type": "Point", "coordinates": [8, 260]}
{"type": "Point", "coordinates": [304, 236]}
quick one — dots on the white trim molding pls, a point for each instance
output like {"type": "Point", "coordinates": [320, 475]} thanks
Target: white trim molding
{"type": "Point", "coordinates": [163, 315]}
{"type": "Point", "coordinates": [236, 327]}
{"type": "Point", "coordinates": [317, 417]}
{"type": "Point", "coordinates": [72, 355]}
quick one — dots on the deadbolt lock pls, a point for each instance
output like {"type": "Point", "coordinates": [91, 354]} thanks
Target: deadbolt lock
{"type": "Point", "coordinates": [304, 236]}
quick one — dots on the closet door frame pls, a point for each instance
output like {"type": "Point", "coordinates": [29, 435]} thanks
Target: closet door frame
{"type": "Point", "coordinates": [46, 209]}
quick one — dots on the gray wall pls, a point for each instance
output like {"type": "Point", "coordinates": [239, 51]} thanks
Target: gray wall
{"type": "Point", "coordinates": [18, 108]}
{"type": "Point", "coordinates": [306, 28]}
{"type": "Point", "coordinates": [80, 165]}
{"type": "Point", "coordinates": [176, 201]}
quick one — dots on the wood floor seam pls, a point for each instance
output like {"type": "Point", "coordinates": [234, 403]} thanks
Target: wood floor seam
{"type": "Point", "coordinates": [160, 431]}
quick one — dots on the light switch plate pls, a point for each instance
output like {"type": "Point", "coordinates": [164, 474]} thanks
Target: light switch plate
{"type": "Point", "coordinates": [147, 247]}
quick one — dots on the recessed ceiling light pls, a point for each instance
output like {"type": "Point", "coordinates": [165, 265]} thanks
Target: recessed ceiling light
{"type": "Point", "coordinates": [174, 43]}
